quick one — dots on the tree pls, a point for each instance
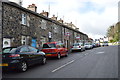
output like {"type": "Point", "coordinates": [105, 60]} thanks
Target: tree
{"type": "Point", "coordinates": [113, 33]}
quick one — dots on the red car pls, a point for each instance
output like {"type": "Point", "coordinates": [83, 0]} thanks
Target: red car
{"type": "Point", "coordinates": [55, 49]}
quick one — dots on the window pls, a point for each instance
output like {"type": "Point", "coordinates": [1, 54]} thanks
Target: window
{"type": "Point", "coordinates": [24, 19]}
{"type": "Point", "coordinates": [56, 29]}
{"type": "Point", "coordinates": [43, 24]}
{"type": "Point", "coordinates": [75, 34]}
{"type": "Point", "coordinates": [76, 44]}
{"type": "Point", "coordinates": [32, 49]}
{"type": "Point", "coordinates": [46, 46]}
{"type": "Point", "coordinates": [49, 46]}
{"type": "Point", "coordinates": [63, 31]}
{"type": "Point", "coordinates": [8, 50]}
{"type": "Point", "coordinates": [13, 50]}
{"type": "Point", "coordinates": [60, 45]}
{"type": "Point", "coordinates": [24, 38]}
{"type": "Point", "coordinates": [24, 49]}
{"type": "Point", "coordinates": [52, 45]}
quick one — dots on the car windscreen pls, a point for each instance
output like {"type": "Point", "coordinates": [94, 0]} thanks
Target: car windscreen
{"type": "Point", "coordinates": [86, 43]}
{"type": "Point", "coordinates": [105, 41]}
{"type": "Point", "coordinates": [49, 46]}
{"type": "Point", "coordinates": [76, 44]}
{"type": "Point", "coordinates": [9, 50]}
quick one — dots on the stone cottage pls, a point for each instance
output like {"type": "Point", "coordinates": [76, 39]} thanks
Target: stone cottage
{"type": "Point", "coordinates": [21, 26]}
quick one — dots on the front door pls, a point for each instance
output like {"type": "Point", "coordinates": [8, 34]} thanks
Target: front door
{"type": "Point", "coordinates": [33, 42]}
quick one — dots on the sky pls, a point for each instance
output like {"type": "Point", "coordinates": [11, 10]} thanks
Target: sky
{"type": "Point", "coordinates": [92, 17]}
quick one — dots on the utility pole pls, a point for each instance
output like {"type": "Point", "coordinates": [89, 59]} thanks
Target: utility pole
{"type": "Point", "coordinates": [49, 8]}
{"type": "Point", "coordinates": [57, 14]}
{"type": "Point", "coordinates": [63, 18]}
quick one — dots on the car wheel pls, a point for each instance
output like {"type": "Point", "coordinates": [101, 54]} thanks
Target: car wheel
{"type": "Point", "coordinates": [66, 54]}
{"type": "Point", "coordinates": [23, 67]}
{"type": "Point", "coordinates": [43, 60]}
{"type": "Point", "coordinates": [81, 50]}
{"type": "Point", "coordinates": [58, 56]}
{"type": "Point", "coordinates": [84, 49]}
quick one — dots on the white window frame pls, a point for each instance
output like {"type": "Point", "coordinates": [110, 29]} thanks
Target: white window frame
{"type": "Point", "coordinates": [56, 28]}
{"type": "Point", "coordinates": [43, 24]}
{"type": "Point", "coordinates": [24, 40]}
{"type": "Point", "coordinates": [24, 19]}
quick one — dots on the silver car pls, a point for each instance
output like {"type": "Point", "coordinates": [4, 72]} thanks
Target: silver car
{"type": "Point", "coordinates": [88, 46]}
{"type": "Point", "coordinates": [78, 46]}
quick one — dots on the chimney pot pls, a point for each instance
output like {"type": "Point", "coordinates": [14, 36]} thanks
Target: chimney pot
{"type": "Point", "coordinates": [44, 13]}
{"type": "Point", "coordinates": [32, 7]}
{"type": "Point", "coordinates": [61, 21]}
{"type": "Point", "coordinates": [54, 18]}
{"type": "Point", "coordinates": [33, 4]}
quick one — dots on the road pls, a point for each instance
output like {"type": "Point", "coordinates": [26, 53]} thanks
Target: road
{"type": "Point", "coordinates": [101, 62]}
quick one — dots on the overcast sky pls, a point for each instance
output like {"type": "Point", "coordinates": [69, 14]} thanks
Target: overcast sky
{"type": "Point", "coordinates": [92, 17]}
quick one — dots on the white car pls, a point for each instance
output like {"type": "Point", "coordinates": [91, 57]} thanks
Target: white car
{"type": "Point", "coordinates": [88, 46]}
{"type": "Point", "coordinates": [78, 46]}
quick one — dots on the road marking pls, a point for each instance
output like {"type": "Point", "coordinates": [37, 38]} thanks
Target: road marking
{"type": "Point", "coordinates": [63, 66]}
{"type": "Point", "coordinates": [100, 52]}
{"type": "Point", "coordinates": [86, 53]}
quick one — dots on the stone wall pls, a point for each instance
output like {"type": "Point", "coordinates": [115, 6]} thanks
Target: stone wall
{"type": "Point", "coordinates": [0, 25]}
{"type": "Point", "coordinates": [0, 37]}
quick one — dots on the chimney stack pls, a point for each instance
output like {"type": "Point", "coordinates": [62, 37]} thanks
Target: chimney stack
{"type": "Point", "coordinates": [54, 18]}
{"type": "Point", "coordinates": [44, 13]}
{"type": "Point", "coordinates": [77, 29]}
{"type": "Point", "coordinates": [32, 7]}
{"type": "Point", "coordinates": [61, 21]}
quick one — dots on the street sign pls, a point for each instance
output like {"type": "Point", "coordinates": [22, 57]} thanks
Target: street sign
{"type": "Point", "coordinates": [77, 37]}
{"type": "Point", "coordinates": [67, 34]}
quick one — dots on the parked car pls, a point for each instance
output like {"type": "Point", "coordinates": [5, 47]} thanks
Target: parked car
{"type": "Point", "coordinates": [20, 58]}
{"type": "Point", "coordinates": [88, 46]}
{"type": "Point", "coordinates": [78, 46]}
{"type": "Point", "coordinates": [94, 45]}
{"type": "Point", "coordinates": [105, 43]}
{"type": "Point", "coordinates": [55, 49]}
{"type": "Point", "coordinates": [97, 44]}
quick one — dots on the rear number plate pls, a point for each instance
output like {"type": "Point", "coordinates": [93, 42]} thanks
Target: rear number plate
{"type": "Point", "coordinates": [4, 64]}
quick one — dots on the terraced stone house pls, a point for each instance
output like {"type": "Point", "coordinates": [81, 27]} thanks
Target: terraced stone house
{"type": "Point", "coordinates": [21, 26]}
